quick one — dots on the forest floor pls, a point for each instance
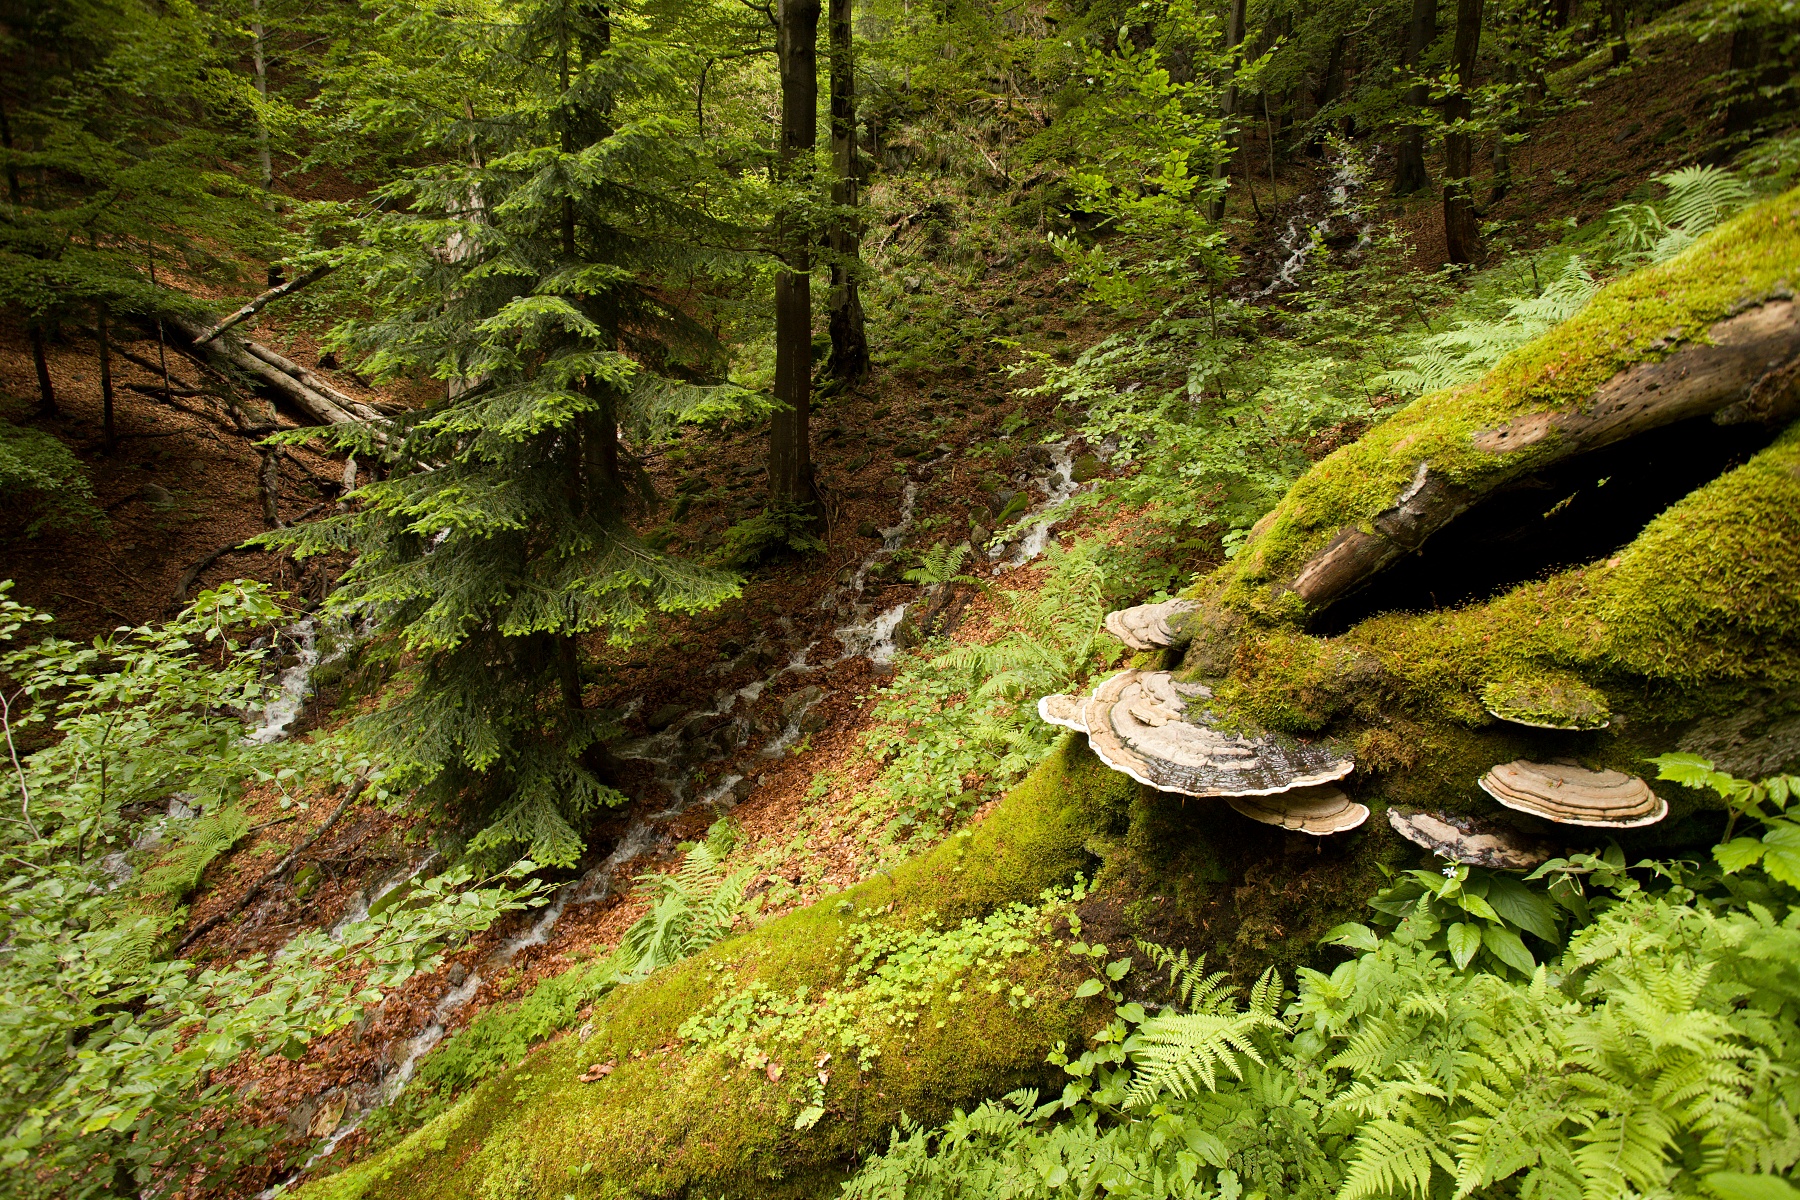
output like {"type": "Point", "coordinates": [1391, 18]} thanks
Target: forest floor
{"type": "Point", "coordinates": [908, 460]}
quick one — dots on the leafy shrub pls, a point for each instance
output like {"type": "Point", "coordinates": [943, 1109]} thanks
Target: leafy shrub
{"type": "Point", "coordinates": [107, 1048]}
{"type": "Point", "coordinates": [37, 470]}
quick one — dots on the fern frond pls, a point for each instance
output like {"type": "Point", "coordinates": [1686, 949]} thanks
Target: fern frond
{"type": "Point", "coordinates": [1391, 1158]}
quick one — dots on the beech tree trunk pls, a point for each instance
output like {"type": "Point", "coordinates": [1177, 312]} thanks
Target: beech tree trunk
{"type": "Point", "coordinates": [1234, 38]}
{"type": "Point", "coordinates": [1616, 17]}
{"type": "Point", "coordinates": [790, 445]}
{"type": "Point", "coordinates": [849, 339]}
{"type": "Point", "coordinates": [1409, 171]}
{"type": "Point", "coordinates": [1462, 237]}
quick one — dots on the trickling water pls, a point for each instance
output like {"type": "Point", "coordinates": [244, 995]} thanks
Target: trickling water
{"type": "Point", "coordinates": [1318, 217]}
{"type": "Point", "coordinates": [1058, 484]}
{"type": "Point", "coordinates": [594, 886]}
{"type": "Point", "coordinates": [292, 687]}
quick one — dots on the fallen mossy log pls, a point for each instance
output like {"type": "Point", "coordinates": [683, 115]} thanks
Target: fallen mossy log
{"type": "Point", "coordinates": [1714, 332]}
{"type": "Point", "coordinates": [671, 1117]}
{"type": "Point", "coordinates": [1686, 635]}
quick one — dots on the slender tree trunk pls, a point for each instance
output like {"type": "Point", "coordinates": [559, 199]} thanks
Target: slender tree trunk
{"type": "Point", "coordinates": [790, 446]}
{"type": "Point", "coordinates": [34, 331]}
{"type": "Point", "coordinates": [1621, 47]}
{"type": "Point", "coordinates": [106, 382]}
{"type": "Point", "coordinates": [264, 161]}
{"type": "Point", "coordinates": [1409, 171]}
{"type": "Point", "coordinates": [1234, 38]}
{"type": "Point", "coordinates": [1462, 236]}
{"type": "Point", "coordinates": [46, 390]}
{"type": "Point", "coordinates": [849, 339]}
{"type": "Point", "coordinates": [268, 486]}
{"type": "Point", "coordinates": [1503, 148]}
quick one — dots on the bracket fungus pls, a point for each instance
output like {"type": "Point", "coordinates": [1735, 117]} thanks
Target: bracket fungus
{"type": "Point", "coordinates": [1150, 626]}
{"type": "Point", "coordinates": [1318, 810]}
{"type": "Point", "coordinates": [1569, 794]}
{"type": "Point", "coordinates": [1547, 702]}
{"type": "Point", "coordinates": [1468, 840]}
{"type": "Point", "coordinates": [1141, 723]}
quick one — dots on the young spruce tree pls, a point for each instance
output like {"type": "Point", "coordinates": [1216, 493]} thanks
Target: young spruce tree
{"type": "Point", "coordinates": [522, 272]}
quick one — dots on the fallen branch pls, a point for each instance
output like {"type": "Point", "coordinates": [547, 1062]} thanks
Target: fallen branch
{"type": "Point", "coordinates": [192, 573]}
{"type": "Point", "coordinates": [273, 873]}
{"type": "Point", "coordinates": [255, 306]}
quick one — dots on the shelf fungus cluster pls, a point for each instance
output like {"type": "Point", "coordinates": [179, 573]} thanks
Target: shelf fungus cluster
{"type": "Point", "coordinates": [1547, 702]}
{"type": "Point", "coordinates": [1157, 730]}
{"type": "Point", "coordinates": [1150, 626]}
{"type": "Point", "coordinates": [1471, 841]}
{"type": "Point", "coordinates": [1569, 794]}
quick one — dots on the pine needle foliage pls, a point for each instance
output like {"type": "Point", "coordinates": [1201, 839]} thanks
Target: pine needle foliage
{"type": "Point", "coordinates": [527, 274]}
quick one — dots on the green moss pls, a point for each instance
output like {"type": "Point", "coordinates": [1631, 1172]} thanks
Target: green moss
{"type": "Point", "coordinates": [670, 1119]}
{"type": "Point", "coordinates": [1698, 611]}
{"type": "Point", "coordinates": [1551, 701]}
{"type": "Point", "coordinates": [1634, 320]}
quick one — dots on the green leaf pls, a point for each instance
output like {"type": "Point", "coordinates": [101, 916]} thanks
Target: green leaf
{"type": "Point", "coordinates": [1475, 906]}
{"type": "Point", "coordinates": [1464, 940]}
{"type": "Point", "coordinates": [1731, 1185]}
{"type": "Point", "coordinates": [1738, 853]}
{"type": "Point", "coordinates": [1781, 856]}
{"type": "Point", "coordinates": [1505, 945]}
{"type": "Point", "coordinates": [809, 1116]}
{"type": "Point", "coordinates": [1353, 934]}
{"type": "Point", "coordinates": [1089, 987]}
{"type": "Point", "coordinates": [1115, 970]}
{"type": "Point", "coordinates": [1523, 907]}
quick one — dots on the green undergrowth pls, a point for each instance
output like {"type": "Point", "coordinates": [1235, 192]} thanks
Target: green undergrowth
{"type": "Point", "coordinates": [1641, 318]}
{"type": "Point", "coordinates": [669, 1114]}
{"type": "Point", "coordinates": [1644, 1044]}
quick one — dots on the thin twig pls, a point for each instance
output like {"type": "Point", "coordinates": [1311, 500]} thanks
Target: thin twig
{"type": "Point", "coordinates": [274, 872]}
{"type": "Point", "coordinates": [18, 767]}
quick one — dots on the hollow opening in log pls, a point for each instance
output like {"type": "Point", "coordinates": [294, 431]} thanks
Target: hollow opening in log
{"type": "Point", "coordinates": [1572, 512]}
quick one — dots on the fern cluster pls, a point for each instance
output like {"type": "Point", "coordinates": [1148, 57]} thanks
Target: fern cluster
{"type": "Point", "coordinates": [1656, 1054]}
{"type": "Point", "coordinates": [962, 722]}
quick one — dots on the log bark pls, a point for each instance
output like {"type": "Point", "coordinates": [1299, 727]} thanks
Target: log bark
{"type": "Point", "coordinates": [1748, 369]}
{"type": "Point", "coordinates": [280, 375]}
{"type": "Point", "coordinates": [259, 303]}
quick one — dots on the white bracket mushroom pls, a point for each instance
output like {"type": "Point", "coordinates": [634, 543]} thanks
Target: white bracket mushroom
{"type": "Point", "coordinates": [1570, 794]}
{"type": "Point", "coordinates": [1468, 840]}
{"type": "Point", "coordinates": [1150, 626]}
{"type": "Point", "coordinates": [1146, 725]}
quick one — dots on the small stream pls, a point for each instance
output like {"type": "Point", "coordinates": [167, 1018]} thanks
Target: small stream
{"type": "Point", "coordinates": [1330, 217]}
{"type": "Point", "coordinates": [678, 754]}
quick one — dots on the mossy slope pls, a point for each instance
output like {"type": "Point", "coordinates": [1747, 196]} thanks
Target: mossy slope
{"type": "Point", "coordinates": [670, 1120]}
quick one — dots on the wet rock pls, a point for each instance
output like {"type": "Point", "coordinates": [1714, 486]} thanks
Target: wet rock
{"type": "Point", "coordinates": [664, 717]}
{"type": "Point", "coordinates": [890, 486]}
{"type": "Point", "coordinates": [999, 499]}
{"type": "Point", "coordinates": [798, 702]}
{"type": "Point", "coordinates": [457, 975]}
{"type": "Point", "coordinates": [979, 535]}
{"type": "Point", "coordinates": [867, 529]}
{"type": "Point", "coordinates": [1085, 469]}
